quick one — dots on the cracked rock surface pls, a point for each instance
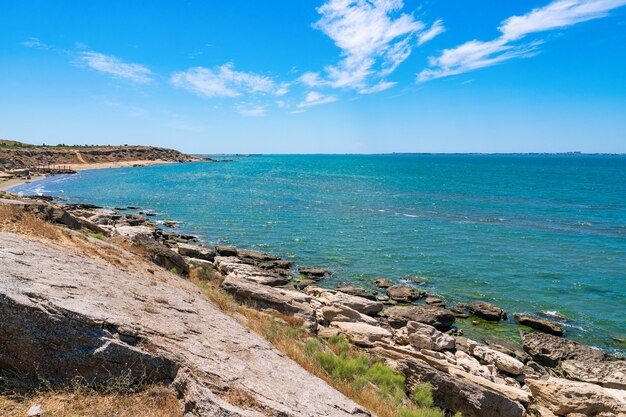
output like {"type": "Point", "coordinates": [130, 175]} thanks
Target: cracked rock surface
{"type": "Point", "coordinates": [66, 314]}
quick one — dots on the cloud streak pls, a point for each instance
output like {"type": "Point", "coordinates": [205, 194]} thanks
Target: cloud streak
{"type": "Point", "coordinates": [374, 37]}
{"type": "Point", "coordinates": [478, 54]}
{"type": "Point", "coordinates": [115, 67]}
{"type": "Point", "coordinates": [313, 98]}
{"type": "Point", "coordinates": [225, 81]}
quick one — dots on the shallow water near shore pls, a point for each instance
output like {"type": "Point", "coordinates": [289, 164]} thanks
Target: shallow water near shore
{"type": "Point", "coordinates": [527, 233]}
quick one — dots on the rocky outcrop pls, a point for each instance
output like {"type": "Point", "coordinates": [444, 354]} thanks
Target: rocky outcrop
{"type": "Point", "coordinates": [331, 297]}
{"type": "Point", "coordinates": [423, 336]}
{"type": "Point", "coordinates": [564, 397]}
{"type": "Point", "coordinates": [238, 268]}
{"type": "Point", "coordinates": [487, 311]}
{"type": "Point", "coordinates": [550, 350]}
{"type": "Point", "coordinates": [502, 361]}
{"type": "Point", "coordinates": [362, 334]}
{"type": "Point", "coordinates": [457, 394]}
{"type": "Point", "coordinates": [198, 252]}
{"type": "Point", "coordinates": [608, 373]}
{"type": "Point", "coordinates": [538, 323]}
{"type": "Point", "coordinates": [161, 254]}
{"type": "Point", "coordinates": [438, 317]}
{"type": "Point", "coordinates": [284, 300]}
{"type": "Point", "coordinates": [68, 315]}
{"type": "Point", "coordinates": [38, 156]}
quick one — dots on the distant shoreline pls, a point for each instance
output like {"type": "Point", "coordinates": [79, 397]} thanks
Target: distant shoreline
{"type": "Point", "coordinates": [14, 182]}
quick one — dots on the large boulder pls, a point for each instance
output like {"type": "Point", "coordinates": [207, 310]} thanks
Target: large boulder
{"type": "Point", "coordinates": [486, 311]}
{"type": "Point", "coordinates": [338, 312]}
{"type": "Point", "coordinates": [330, 297]}
{"type": "Point", "coordinates": [460, 395]}
{"type": "Point", "coordinates": [502, 361]}
{"type": "Point", "coordinates": [283, 300]}
{"type": "Point", "coordinates": [362, 334]}
{"type": "Point", "coordinates": [438, 317]}
{"type": "Point", "coordinates": [404, 294]}
{"type": "Point", "coordinates": [549, 350]}
{"type": "Point", "coordinates": [538, 323]}
{"type": "Point", "coordinates": [424, 336]}
{"type": "Point", "coordinates": [565, 397]}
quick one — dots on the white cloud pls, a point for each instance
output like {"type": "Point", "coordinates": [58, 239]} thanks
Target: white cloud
{"type": "Point", "coordinates": [34, 43]}
{"type": "Point", "coordinates": [435, 30]}
{"type": "Point", "coordinates": [113, 66]}
{"type": "Point", "coordinates": [477, 54]}
{"type": "Point", "coordinates": [377, 88]}
{"type": "Point", "coordinates": [225, 81]}
{"type": "Point", "coordinates": [314, 98]}
{"type": "Point", "coordinates": [374, 37]}
{"type": "Point", "coordinates": [252, 111]}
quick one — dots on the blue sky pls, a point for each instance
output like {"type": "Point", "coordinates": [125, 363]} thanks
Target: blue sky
{"type": "Point", "coordinates": [334, 76]}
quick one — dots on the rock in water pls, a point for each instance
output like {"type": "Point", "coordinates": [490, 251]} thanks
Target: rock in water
{"type": "Point", "coordinates": [487, 311]}
{"type": "Point", "coordinates": [403, 293]}
{"type": "Point", "coordinates": [97, 320]}
{"type": "Point", "coordinates": [539, 323]}
{"type": "Point", "coordinates": [382, 283]}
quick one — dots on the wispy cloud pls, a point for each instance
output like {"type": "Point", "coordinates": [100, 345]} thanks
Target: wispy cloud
{"type": "Point", "coordinates": [477, 54]}
{"type": "Point", "coordinates": [374, 37]}
{"type": "Point", "coordinates": [252, 110]}
{"type": "Point", "coordinates": [225, 81]}
{"type": "Point", "coordinates": [34, 43]}
{"type": "Point", "coordinates": [115, 67]}
{"type": "Point", "coordinates": [313, 98]}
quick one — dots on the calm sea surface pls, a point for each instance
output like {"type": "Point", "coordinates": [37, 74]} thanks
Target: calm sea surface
{"type": "Point", "coordinates": [528, 233]}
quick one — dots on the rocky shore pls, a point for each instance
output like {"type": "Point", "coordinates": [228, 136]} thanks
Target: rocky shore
{"type": "Point", "coordinates": [414, 332]}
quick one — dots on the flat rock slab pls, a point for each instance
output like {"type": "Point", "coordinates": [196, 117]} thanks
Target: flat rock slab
{"type": "Point", "coordinates": [54, 300]}
{"type": "Point", "coordinates": [234, 266]}
{"type": "Point", "coordinates": [539, 323]}
{"type": "Point", "coordinates": [438, 317]}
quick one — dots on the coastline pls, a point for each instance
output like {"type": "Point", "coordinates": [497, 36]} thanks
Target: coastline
{"type": "Point", "coordinates": [407, 326]}
{"type": "Point", "coordinates": [14, 182]}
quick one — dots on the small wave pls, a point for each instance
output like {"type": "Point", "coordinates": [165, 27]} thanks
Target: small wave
{"type": "Point", "coordinates": [409, 215]}
{"type": "Point", "coordinates": [494, 220]}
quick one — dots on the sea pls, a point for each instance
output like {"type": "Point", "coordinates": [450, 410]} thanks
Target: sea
{"type": "Point", "coordinates": [541, 234]}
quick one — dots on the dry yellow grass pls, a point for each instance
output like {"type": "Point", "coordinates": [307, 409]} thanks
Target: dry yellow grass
{"type": "Point", "coordinates": [153, 402]}
{"type": "Point", "coordinates": [285, 334]}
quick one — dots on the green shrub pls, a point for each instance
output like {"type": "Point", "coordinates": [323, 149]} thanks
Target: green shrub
{"type": "Point", "coordinates": [422, 395]}
{"type": "Point", "coordinates": [358, 369]}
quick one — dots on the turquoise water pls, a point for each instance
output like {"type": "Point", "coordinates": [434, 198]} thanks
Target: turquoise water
{"type": "Point", "coordinates": [528, 233]}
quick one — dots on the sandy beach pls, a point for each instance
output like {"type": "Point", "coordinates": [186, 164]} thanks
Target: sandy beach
{"type": "Point", "coordinates": [6, 184]}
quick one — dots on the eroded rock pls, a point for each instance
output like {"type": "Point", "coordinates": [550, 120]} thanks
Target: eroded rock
{"type": "Point", "coordinates": [438, 317]}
